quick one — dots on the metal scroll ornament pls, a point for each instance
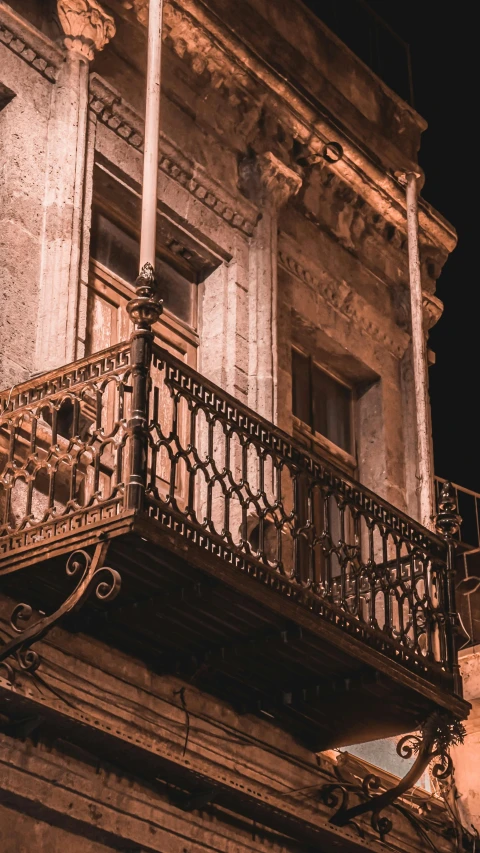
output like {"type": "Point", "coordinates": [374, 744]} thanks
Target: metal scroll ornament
{"type": "Point", "coordinates": [92, 578]}
{"type": "Point", "coordinates": [437, 735]}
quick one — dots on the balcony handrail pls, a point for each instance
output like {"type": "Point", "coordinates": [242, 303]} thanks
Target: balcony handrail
{"type": "Point", "coordinates": [70, 375]}
{"type": "Point", "coordinates": [456, 486]}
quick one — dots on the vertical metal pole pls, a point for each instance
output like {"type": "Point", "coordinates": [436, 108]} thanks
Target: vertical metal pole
{"type": "Point", "coordinates": [152, 134]}
{"type": "Point", "coordinates": [425, 468]}
{"type": "Point", "coordinates": [145, 308]}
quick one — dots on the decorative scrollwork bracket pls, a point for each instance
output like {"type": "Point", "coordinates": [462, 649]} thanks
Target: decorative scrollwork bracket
{"type": "Point", "coordinates": [437, 734]}
{"type": "Point", "coordinates": [92, 576]}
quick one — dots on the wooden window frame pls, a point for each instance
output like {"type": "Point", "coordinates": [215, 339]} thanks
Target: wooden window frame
{"type": "Point", "coordinates": [180, 334]}
{"type": "Point", "coordinates": [124, 222]}
{"type": "Point", "coordinates": [347, 459]}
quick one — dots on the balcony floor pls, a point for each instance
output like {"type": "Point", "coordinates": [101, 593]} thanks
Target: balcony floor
{"type": "Point", "coordinates": [243, 634]}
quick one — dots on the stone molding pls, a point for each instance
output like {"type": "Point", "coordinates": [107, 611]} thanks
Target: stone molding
{"type": "Point", "coordinates": [29, 44]}
{"type": "Point", "coordinates": [346, 301]}
{"type": "Point", "coordinates": [110, 108]}
{"type": "Point", "coordinates": [211, 50]}
{"type": "Point", "coordinates": [86, 25]}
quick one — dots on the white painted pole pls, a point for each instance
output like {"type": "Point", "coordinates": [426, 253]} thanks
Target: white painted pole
{"type": "Point", "coordinates": [420, 368]}
{"type": "Point", "coordinates": [152, 134]}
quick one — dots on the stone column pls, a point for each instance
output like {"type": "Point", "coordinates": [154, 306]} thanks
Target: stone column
{"type": "Point", "coordinates": [87, 28]}
{"type": "Point", "coordinates": [271, 183]}
{"type": "Point", "coordinates": [466, 758]}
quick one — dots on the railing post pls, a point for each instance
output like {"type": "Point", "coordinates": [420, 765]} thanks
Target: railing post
{"type": "Point", "coordinates": [144, 310]}
{"type": "Point", "coordinates": [447, 524]}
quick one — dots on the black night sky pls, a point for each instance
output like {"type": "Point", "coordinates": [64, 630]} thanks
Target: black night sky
{"type": "Point", "coordinates": [443, 48]}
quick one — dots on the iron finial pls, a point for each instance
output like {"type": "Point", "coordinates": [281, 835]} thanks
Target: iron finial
{"type": "Point", "coordinates": [447, 521]}
{"type": "Point", "coordinates": [145, 308]}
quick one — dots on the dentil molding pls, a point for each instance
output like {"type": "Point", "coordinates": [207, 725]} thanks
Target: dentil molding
{"type": "Point", "coordinates": [110, 108]}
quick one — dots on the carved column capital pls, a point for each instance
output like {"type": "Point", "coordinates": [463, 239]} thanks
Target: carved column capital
{"type": "Point", "coordinates": [86, 25]}
{"type": "Point", "coordinates": [269, 180]}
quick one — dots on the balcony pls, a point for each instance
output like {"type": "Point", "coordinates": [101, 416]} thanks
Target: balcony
{"type": "Point", "coordinates": [236, 559]}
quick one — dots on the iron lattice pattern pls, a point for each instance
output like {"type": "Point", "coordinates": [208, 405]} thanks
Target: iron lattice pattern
{"type": "Point", "coordinates": [231, 484]}
{"type": "Point", "coordinates": [63, 448]}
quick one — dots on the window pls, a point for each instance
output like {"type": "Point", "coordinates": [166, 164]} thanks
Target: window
{"type": "Point", "coordinates": [114, 247]}
{"type": "Point", "coordinates": [321, 401]}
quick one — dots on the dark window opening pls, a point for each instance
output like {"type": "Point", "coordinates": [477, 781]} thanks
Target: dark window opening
{"type": "Point", "coordinates": [321, 401]}
{"type": "Point", "coordinates": [118, 250]}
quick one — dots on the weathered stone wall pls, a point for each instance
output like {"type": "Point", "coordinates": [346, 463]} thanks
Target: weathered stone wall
{"type": "Point", "coordinates": [28, 70]}
{"type": "Point", "coordinates": [307, 252]}
{"type": "Point", "coordinates": [124, 795]}
{"type": "Point", "coordinates": [466, 756]}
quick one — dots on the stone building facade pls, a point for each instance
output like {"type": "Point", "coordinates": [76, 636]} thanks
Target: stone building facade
{"type": "Point", "coordinates": [282, 262]}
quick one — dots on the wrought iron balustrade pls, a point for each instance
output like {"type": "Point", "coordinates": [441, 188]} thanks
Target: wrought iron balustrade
{"type": "Point", "coordinates": [231, 483]}
{"type": "Point", "coordinates": [63, 446]}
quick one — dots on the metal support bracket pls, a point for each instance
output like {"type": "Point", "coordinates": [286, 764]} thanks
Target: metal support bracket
{"type": "Point", "coordinates": [93, 576]}
{"type": "Point", "coordinates": [437, 734]}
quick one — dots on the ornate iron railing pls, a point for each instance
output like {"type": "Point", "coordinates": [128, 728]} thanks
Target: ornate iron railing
{"type": "Point", "coordinates": [134, 428]}
{"type": "Point", "coordinates": [247, 487]}
{"type": "Point", "coordinates": [63, 446]}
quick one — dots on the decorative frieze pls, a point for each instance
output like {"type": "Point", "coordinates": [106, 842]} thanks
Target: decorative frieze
{"type": "Point", "coordinates": [347, 302]}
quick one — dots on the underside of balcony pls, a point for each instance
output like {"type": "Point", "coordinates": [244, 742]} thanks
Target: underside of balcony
{"type": "Point", "coordinates": [242, 634]}
{"type": "Point", "coordinates": [243, 564]}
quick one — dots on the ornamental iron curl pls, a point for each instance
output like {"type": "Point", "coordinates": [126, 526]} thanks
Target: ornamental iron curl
{"type": "Point", "coordinates": [439, 732]}
{"type": "Point", "coordinates": [93, 578]}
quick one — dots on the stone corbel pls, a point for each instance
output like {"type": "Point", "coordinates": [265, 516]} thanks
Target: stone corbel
{"type": "Point", "coordinates": [279, 182]}
{"type": "Point", "coordinates": [86, 25]}
{"type": "Point", "coordinates": [432, 310]}
{"type": "Point", "coordinates": [267, 180]}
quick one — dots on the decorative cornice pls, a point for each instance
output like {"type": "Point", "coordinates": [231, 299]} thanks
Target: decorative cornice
{"type": "Point", "coordinates": [86, 25]}
{"type": "Point", "coordinates": [122, 119]}
{"type": "Point", "coordinates": [212, 49]}
{"type": "Point", "coordinates": [29, 53]}
{"type": "Point", "coordinates": [347, 302]}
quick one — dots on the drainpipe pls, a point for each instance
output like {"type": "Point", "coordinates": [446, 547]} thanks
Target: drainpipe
{"type": "Point", "coordinates": [145, 308]}
{"type": "Point", "coordinates": [419, 350]}
{"type": "Point", "coordinates": [152, 134]}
